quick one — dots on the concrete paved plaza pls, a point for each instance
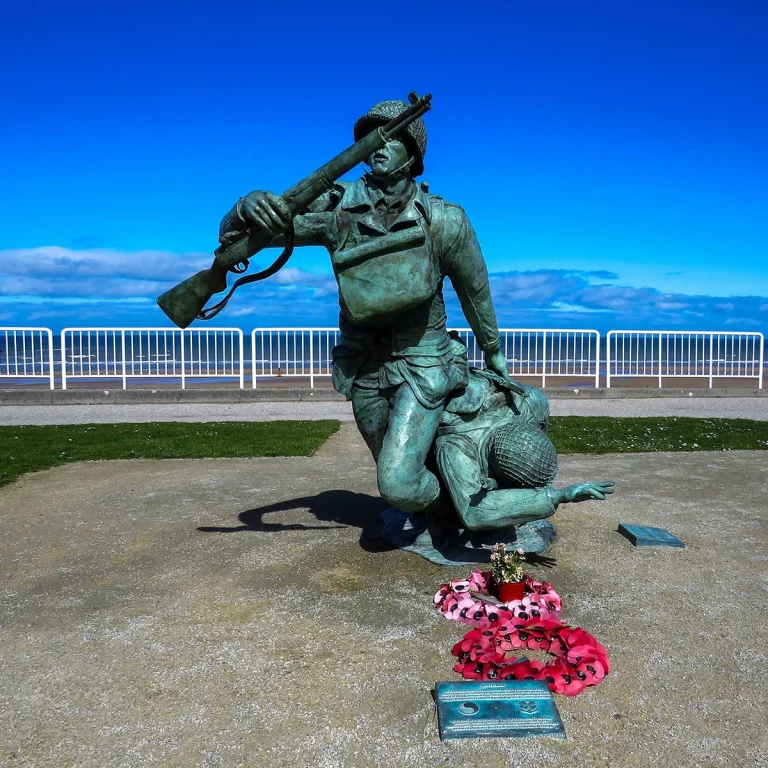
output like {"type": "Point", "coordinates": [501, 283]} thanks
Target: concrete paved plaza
{"type": "Point", "coordinates": [244, 612]}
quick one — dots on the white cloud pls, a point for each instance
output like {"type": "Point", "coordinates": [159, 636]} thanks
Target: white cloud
{"type": "Point", "coordinates": [69, 264]}
{"type": "Point", "coordinates": [322, 285]}
{"type": "Point", "coordinates": [568, 298]}
{"type": "Point", "coordinates": [120, 287]}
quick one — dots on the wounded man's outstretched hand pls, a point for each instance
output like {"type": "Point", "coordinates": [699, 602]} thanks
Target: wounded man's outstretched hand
{"type": "Point", "coordinates": [585, 491]}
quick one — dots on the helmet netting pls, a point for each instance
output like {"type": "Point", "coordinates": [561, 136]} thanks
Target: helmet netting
{"type": "Point", "coordinates": [522, 456]}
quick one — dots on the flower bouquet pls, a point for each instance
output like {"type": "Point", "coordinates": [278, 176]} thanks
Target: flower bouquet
{"type": "Point", "coordinates": [507, 569]}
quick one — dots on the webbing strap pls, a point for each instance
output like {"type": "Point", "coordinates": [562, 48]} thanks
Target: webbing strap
{"type": "Point", "coordinates": [276, 266]}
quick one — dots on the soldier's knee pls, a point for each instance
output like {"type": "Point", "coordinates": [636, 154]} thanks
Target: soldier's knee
{"type": "Point", "coordinates": [394, 484]}
{"type": "Point", "coordinates": [410, 491]}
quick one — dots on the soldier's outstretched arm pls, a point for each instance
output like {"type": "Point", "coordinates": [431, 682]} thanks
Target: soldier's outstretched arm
{"type": "Point", "coordinates": [464, 264]}
{"type": "Point", "coordinates": [514, 506]}
{"type": "Point", "coordinates": [267, 211]}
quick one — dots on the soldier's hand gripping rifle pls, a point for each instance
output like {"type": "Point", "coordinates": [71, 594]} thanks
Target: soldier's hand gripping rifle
{"type": "Point", "coordinates": [184, 303]}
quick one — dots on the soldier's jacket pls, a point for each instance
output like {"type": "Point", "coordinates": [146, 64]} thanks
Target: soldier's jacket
{"type": "Point", "coordinates": [390, 264]}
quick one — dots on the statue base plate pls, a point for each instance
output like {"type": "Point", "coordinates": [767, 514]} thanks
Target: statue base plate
{"type": "Point", "coordinates": [402, 530]}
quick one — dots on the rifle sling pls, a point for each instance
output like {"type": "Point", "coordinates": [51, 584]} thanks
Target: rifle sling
{"type": "Point", "coordinates": [276, 266]}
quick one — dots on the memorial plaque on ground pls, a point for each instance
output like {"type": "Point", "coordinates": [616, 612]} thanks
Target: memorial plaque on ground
{"type": "Point", "coordinates": [510, 708]}
{"type": "Point", "coordinates": [643, 536]}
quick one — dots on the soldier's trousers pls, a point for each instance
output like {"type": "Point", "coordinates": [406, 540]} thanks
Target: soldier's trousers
{"type": "Point", "coordinates": [399, 432]}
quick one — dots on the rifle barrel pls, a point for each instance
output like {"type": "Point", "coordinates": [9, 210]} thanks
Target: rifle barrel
{"type": "Point", "coordinates": [301, 195]}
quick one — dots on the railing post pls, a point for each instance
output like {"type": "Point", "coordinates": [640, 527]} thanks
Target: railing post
{"type": "Point", "coordinates": [711, 355]}
{"type": "Point", "coordinates": [597, 361]}
{"type": "Point", "coordinates": [184, 362]}
{"type": "Point", "coordinates": [544, 362]}
{"type": "Point", "coordinates": [660, 384]}
{"type": "Point", "coordinates": [253, 359]}
{"type": "Point", "coordinates": [311, 359]}
{"type": "Point", "coordinates": [122, 355]}
{"type": "Point", "coordinates": [608, 360]}
{"type": "Point", "coordinates": [63, 353]}
{"type": "Point", "coordinates": [762, 362]}
{"type": "Point", "coordinates": [49, 334]}
{"type": "Point", "coordinates": [242, 362]}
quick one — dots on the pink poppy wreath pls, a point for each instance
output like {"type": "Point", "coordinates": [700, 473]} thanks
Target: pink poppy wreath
{"type": "Point", "coordinates": [531, 623]}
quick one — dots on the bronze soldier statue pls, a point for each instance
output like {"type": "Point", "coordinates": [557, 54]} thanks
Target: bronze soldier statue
{"type": "Point", "coordinates": [391, 245]}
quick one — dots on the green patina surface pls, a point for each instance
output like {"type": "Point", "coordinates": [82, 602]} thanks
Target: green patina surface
{"type": "Point", "coordinates": [458, 451]}
{"type": "Point", "coordinates": [391, 244]}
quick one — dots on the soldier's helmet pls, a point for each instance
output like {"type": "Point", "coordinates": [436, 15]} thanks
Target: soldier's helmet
{"type": "Point", "coordinates": [415, 136]}
{"type": "Point", "coordinates": [522, 456]}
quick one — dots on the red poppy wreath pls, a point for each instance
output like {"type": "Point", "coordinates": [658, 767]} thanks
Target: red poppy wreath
{"type": "Point", "coordinates": [531, 623]}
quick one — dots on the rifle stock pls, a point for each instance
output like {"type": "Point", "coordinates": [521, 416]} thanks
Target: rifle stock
{"type": "Point", "coordinates": [184, 302]}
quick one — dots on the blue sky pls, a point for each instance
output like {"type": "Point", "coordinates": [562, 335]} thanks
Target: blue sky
{"type": "Point", "coordinates": [611, 155]}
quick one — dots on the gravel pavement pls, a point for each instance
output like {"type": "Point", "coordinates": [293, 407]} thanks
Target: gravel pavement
{"type": "Point", "coordinates": [245, 612]}
{"type": "Point", "coordinates": [720, 407]}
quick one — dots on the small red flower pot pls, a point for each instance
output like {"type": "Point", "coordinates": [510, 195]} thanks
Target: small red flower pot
{"type": "Point", "coordinates": [511, 590]}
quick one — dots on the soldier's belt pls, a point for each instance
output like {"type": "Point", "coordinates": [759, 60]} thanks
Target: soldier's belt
{"type": "Point", "coordinates": [403, 341]}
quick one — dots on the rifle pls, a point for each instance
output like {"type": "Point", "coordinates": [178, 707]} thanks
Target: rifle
{"type": "Point", "coordinates": [185, 302]}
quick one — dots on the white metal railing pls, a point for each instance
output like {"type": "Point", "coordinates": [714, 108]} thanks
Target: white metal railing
{"type": "Point", "coordinates": [304, 352]}
{"type": "Point", "coordinates": [218, 353]}
{"type": "Point", "coordinates": [26, 353]}
{"type": "Point", "coordinates": [546, 353]}
{"type": "Point", "coordinates": [684, 354]}
{"type": "Point", "coordinates": [151, 353]}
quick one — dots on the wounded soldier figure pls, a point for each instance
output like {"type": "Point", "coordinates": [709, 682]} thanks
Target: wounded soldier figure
{"type": "Point", "coordinates": [497, 465]}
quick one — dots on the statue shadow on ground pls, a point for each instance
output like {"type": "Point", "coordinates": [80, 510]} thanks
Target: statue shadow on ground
{"type": "Point", "coordinates": [346, 508]}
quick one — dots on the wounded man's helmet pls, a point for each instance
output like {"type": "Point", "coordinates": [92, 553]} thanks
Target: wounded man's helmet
{"type": "Point", "coordinates": [522, 456]}
{"type": "Point", "coordinates": [414, 137]}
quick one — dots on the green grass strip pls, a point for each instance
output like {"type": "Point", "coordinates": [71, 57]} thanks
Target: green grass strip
{"type": "Point", "coordinates": [32, 448]}
{"type": "Point", "coordinates": [603, 434]}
